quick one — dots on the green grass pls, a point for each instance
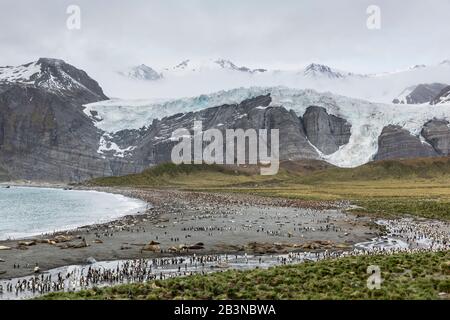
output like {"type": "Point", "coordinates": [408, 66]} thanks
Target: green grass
{"type": "Point", "coordinates": [418, 187]}
{"type": "Point", "coordinates": [405, 276]}
{"type": "Point", "coordinates": [392, 208]}
{"type": "Point", "coordinates": [311, 173]}
{"type": "Point", "coordinates": [420, 168]}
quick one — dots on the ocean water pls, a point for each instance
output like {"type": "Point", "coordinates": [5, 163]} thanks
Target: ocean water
{"type": "Point", "coordinates": [28, 211]}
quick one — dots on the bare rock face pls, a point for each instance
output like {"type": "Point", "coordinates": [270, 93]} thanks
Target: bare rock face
{"type": "Point", "coordinates": [437, 133]}
{"type": "Point", "coordinates": [44, 134]}
{"type": "Point", "coordinates": [44, 137]}
{"type": "Point", "coordinates": [156, 146]}
{"type": "Point", "coordinates": [326, 132]}
{"type": "Point", "coordinates": [398, 143]}
{"type": "Point", "coordinates": [62, 77]}
{"type": "Point", "coordinates": [443, 96]}
{"type": "Point", "coordinates": [227, 64]}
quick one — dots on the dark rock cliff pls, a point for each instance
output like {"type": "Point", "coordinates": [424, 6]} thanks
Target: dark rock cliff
{"type": "Point", "coordinates": [398, 143]}
{"type": "Point", "coordinates": [437, 133]}
{"type": "Point", "coordinates": [44, 134]}
{"type": "Point", "coordinates": [156, 145]}
{"type": "Point", "coordinates": [326, 132]}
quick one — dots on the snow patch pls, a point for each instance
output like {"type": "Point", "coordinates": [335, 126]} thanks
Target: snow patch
{"type": "Point", "coordinates": [108, 146]}
{"type": "Point", "coordinates": [20, 74]}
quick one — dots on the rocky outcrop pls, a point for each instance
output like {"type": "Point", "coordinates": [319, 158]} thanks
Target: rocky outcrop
{"type": "Point", "coordinates": [4, 176]}
{"type": "Point", "coordinates": [443, 96]}
{"type": "Point", "coordinates": [46, 138]}
{"type": "Point", "coordinates": [320, 70]}
{"type": "Point", "coordinates": [422, 93]}
{"type": "Point", "coordinates": [44, 134]}
{"type": "Point", "coordinates": [398, 143]}
{"type": "Point", "coordinates": [55, 76]}
{"type": "Point", "coordinates": [326, 132]}
{"type": "Point", "coordinates": [61, 77]}
{"type": "Point", "coordinates": [437, 133]}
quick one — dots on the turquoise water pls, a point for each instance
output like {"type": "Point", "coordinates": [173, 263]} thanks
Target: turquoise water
{"type": "Point", "coordinates": [31, 211]}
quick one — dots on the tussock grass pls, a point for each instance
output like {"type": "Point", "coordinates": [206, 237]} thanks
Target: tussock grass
{"type": "Point", "coordinates": [184, 176]}
{"type": "Point", "coordinates": [405, 276]}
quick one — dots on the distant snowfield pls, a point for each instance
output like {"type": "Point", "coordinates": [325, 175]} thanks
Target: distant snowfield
{"type": "Point", "coordinates": [367, 118]}
{"type": "Point", "coordinates": [194, 78]}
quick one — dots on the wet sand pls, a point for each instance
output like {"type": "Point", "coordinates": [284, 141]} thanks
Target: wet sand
{"type": "Point", "coordinates": [182, 223]}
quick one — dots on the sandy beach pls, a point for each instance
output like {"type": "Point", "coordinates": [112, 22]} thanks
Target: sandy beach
{"type": "Point", "coordinates": [181, 222]}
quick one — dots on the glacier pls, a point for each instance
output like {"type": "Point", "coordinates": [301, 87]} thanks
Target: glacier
{"type": "Point", "coordinates": [367, 118]}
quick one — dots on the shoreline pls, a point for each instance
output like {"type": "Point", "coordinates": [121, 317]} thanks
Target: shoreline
{"type": "Point", "coordinates": [402, 236]}
{"type": "Point", "coordinates": [127, 236]}
{"type": "Point", "coordinates": [214, 225]}
{"type": "Point", "coordinates": [143, 207]}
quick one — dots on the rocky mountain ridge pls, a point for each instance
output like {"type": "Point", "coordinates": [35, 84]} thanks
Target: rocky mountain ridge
{"type": "Point", "coordinates": [422, 93]}
{"type": "Point", "coordinates": [46, 133]}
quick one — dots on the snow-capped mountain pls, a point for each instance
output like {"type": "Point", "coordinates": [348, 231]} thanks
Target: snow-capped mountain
{"type": "Point", "coordinates": [54, 75]}
{"type": "Point", "coordinates": [44, 134]}
{"type": "Point", "coordinates": [422, 93]}
{"type": "Point", "coordinates": [142, 72]}
{"type": "Point", "coordinates": [220, 64]}
{"type": "Point", "coordinates": [64, 136]}
{"type": "Point", "coordinates": [368, 120]}
{"type": "Point", "coordinates": [418, 66]}
{"type": "Point", "coordinates": [312, 70]}
{"type": "Point", "coordinates": [227, 64]}
{"type": "Point", "coordinates": [320, 70]}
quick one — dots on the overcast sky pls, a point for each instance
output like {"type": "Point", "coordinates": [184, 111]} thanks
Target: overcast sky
{"type": "Point", "coordinates": [256, 33]}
